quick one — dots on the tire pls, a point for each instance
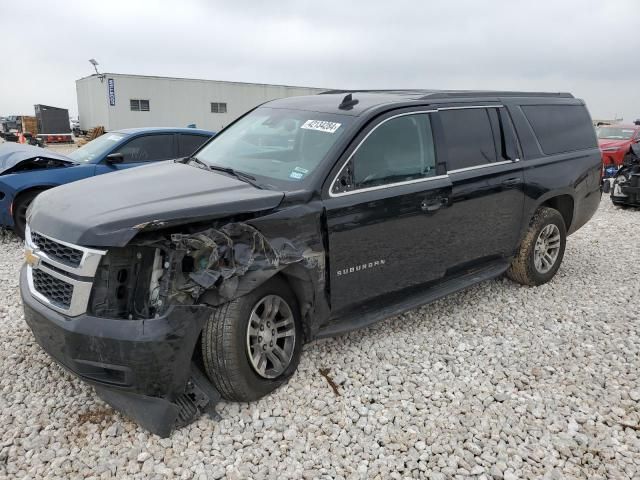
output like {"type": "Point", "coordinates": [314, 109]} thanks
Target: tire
{"type": "Point", "coordinates": [20, 207]}
{"type": "Point", "coordinates": [525, 269]}
{"type": "Point", "coordinates": [226, 347]}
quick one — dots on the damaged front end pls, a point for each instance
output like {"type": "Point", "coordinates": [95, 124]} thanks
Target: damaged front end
{"type": "Point", "coordinates": [624, 186]}
{"type": "Point", "coordinates": [18, 158]}
{"type": "Point", "coordinates": [138, 341]}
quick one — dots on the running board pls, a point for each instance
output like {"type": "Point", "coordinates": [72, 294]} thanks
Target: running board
{"type": "Point", "coordinates": [366, 316]}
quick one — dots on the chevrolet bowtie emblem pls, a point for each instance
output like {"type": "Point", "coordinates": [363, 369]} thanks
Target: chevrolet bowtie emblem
{"type": "Point", "coordinates": [31, 258]}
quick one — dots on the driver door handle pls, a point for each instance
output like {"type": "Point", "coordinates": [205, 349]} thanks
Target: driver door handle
{"type": "Point", "coordinates": [510, 182]}
{"type": "Point", "coordinates": [433, 204]}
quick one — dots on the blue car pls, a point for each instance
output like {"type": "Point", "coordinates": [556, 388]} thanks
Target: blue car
{"type": "Point", "coordinates": [25, 171]}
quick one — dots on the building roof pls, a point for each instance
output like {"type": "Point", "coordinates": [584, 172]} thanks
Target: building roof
{"type": "Point", "coordinates": [157, 77]}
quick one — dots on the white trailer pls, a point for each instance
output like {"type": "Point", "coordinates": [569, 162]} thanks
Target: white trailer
{"type": "Point", "coordinates": [115, 101]}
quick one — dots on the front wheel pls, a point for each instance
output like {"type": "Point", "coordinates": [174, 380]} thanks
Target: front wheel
{"type": "Point", "coordinates": [251, 345]}
{"type": "Point", "coordinates": [541, 250]}
{"type": "Point", "coordinates": [20, 206]}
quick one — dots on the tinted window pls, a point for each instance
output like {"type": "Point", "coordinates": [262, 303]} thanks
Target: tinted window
{"type": "Point", "coordinates": [398, 150]}
{"type": "Point", "coordinates": [189, 144]}
{"type": "Point", "coordinates": [503, 134]}
{"type": "Point", "coordinates": [561, 128]}
{"type": "Point", "coordinates": [469, 137]}
{"type": "Point", "coordinates": [510, 149]}
{"type": "Point", "coordinates": [148, 149]}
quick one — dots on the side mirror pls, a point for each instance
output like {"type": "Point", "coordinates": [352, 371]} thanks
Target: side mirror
{"type": "Point", "coordinates": [114, 158]}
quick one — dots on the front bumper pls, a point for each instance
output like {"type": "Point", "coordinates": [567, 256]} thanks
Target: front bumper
{"type": "Point", "coordinates": [140, 367]}
{"type": "Point", "coordinates": [630, 196]}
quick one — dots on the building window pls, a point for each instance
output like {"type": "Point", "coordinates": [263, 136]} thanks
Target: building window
{"type": "Point", "coordinates": [139, 105]}
{"type": "Point", "coordinates": [217, 107]}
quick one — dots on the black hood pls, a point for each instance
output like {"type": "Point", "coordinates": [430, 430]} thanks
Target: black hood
{"type": "Point", "coordinates": [102, 211]}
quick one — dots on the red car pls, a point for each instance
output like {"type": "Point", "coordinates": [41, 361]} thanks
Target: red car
{"type": "Point", "coordinates": [615, 142]}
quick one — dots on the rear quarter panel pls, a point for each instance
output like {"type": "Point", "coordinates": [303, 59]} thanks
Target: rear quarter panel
{"type": "Point", "coordinates": [576, 174]}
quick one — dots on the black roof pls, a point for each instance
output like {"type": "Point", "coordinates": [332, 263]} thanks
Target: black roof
{"type": "Point", "coordinates": [330, 101]}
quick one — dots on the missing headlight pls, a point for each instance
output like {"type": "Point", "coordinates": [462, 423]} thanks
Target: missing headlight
{"type": "Point", "coordinates": [127, 284]}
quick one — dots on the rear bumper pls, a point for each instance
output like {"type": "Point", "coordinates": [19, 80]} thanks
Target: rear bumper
{"type": "Point", "coordinates": [141, 367]}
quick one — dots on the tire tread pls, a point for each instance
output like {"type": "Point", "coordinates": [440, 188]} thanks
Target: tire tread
{"type": "Point", "coordinates": [521, 270]}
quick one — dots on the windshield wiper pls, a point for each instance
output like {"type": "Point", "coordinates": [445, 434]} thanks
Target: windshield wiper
{"type": "Point", "coordinates": [245, 177]}
{"type": "Point", "coordinates": [196, 160]}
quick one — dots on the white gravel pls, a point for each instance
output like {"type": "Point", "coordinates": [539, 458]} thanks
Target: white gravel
{"type": "Point", "coordinates": [500, 381]}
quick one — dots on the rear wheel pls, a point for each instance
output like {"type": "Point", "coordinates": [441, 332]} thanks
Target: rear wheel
{"type": "Point", "coordinates": [541, 250]}
{"type": "Point", "coordinates": [251, 345]}
{"type": "Point", "coordinates": [20, 206]}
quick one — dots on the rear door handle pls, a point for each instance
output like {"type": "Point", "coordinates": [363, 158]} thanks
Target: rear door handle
{"type": "Point", "coordinates": [510, 182]}
{"type": "Point", "coordinates": [431, 205]}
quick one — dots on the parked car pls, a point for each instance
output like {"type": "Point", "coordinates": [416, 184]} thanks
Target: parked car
{"type": "Point", "coordinates": [27, 171]}
{"type": "Point", "coordinates": [184, 281]}
{"type": "Point", "coordinates": [615, 142]}
{"type": "Point", "coordinates": [624, 185]}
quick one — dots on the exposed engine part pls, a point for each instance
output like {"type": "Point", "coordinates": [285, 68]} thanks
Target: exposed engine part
{"type": "Point", "coordinates": [142, 281]}
{"type": "Point", "coordinates": [157, 271]}
{"type": "Point", "coordinates": [231, 261]}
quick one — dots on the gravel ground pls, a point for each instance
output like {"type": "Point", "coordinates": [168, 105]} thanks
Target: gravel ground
{"type": "Point", "coordinates": [500, 381]}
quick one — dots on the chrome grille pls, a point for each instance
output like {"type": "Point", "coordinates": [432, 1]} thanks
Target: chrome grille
{"type": "Point", "coordinates": [60, 274]}
{"type": "Point", "coordinates": [55, 290]}
{"type": "Point", "coordinates": [59, 251]}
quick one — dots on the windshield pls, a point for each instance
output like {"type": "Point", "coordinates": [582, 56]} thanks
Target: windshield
{"type": "Point", "coordinates": [277, 144]}
{"type": "Point", "coordinates": [96, 148]}
{"type": "Point", "coordinates": [615, 133]}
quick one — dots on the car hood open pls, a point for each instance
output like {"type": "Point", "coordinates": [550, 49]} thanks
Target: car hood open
{"type": "Point", "coordinates": [110, 209]}
{"type": "Point", "coordinates": [12, 154]}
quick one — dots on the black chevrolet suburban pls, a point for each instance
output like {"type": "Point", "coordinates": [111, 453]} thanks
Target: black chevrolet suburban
{"type": "Point", "coordinates": [172, 285]}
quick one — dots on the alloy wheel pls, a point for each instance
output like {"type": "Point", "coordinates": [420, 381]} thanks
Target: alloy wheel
{"type": "Point", "coordinates": [547, 248]}
{"type": "Point", "coordinates": [271, 336]}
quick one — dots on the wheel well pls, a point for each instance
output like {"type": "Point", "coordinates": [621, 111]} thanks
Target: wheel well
{"type": "Point", "coordinates": [564, 204]}
{"type": "Point", "coordinates": [24, 192]}
{"type": "Point", "coordinates": [302, 288]}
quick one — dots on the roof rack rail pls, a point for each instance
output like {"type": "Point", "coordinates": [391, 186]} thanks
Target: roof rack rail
{"type": "Point", "coordinates": [487, 93]}
{"type": "Point", "coordinates": [436, 94]}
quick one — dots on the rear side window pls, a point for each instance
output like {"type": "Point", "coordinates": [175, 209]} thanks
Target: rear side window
{"type": "Point", "coordinates": [470, 139]}
{"type": "Point", "coordinates": [149, 148]}
{"type": "Point", "coordinates": [561, 128]}
{"type": "Point", "coordinates": [187, 144]}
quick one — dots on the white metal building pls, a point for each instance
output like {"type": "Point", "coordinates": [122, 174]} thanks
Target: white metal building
{"type": "Point", "coordinates": [116, 101]}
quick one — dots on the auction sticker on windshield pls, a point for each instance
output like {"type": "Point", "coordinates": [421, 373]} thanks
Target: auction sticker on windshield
{"type": "Point", "coordinates": [321, 126]}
